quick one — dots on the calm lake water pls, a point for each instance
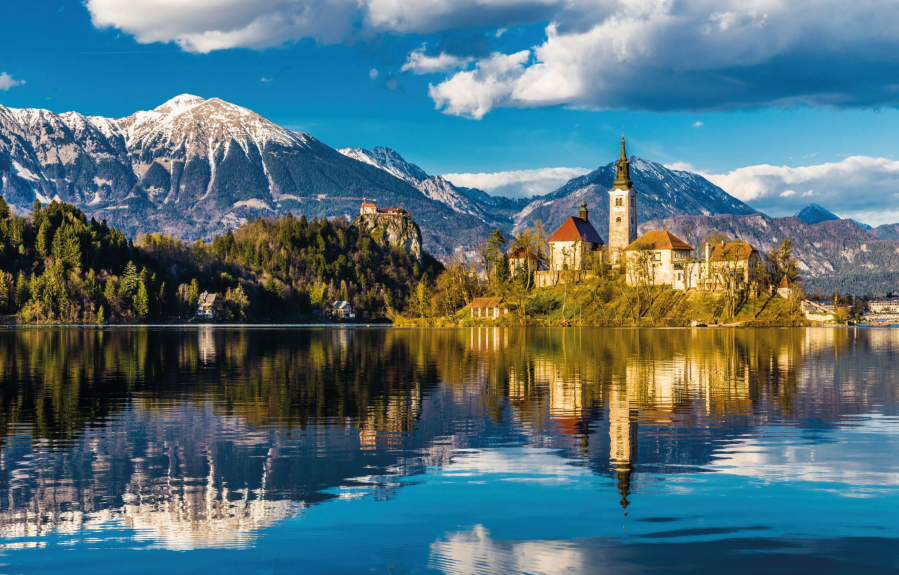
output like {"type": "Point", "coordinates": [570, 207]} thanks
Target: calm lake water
{"type": "Point", "coordinates": [538, 451]}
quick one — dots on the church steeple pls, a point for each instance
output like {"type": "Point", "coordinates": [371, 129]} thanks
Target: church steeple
{"type": "Point", "coordinates": [584, 211]}
{"type": "Point", "coordinates": [623, 177]}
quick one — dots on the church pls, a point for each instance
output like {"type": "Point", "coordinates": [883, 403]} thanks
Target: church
{"type": "Point", "coordinates": [658, 256]}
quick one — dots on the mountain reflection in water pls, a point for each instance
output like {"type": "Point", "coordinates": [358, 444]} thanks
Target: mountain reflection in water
{"type": "Point", "coordinates": [180, 439]}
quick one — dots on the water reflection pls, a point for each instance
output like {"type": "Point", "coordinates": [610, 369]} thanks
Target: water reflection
{"type": "Point", "coordinates": [205, 437]}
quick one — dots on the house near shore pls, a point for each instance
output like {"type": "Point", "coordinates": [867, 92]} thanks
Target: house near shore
{"type": "Point", "coordinates": [209, 305]}
{"type": "Point", "coordinates": [488, 307]}
{"type": "Point", "coordinates": [342, 310]}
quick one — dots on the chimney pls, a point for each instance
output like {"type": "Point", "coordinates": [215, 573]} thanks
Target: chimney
{"type": "Point", "coordinates": [708, 251]}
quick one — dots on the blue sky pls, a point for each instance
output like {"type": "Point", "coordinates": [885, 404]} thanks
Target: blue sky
{"type": "Point", "coordinates": [485, 86]}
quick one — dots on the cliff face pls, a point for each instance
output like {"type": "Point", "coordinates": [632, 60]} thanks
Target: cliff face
{"type": "Point", "coordinates": [394, 230]}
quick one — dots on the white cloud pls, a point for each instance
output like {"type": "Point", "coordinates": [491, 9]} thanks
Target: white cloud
{"type": "Point", "coordinates": [420, 63]}
{"type": "Point", "coordinates": [697, 124]}
{"type": "Point", "coordinates": [205, 25]}
{"type": "Point", "coordinates": [7, 82]}
{"type": "Point", "coordinates": [373, 73]}
{"type": "Point", "coordinates": [658, 55]}
{"type": "Point", "coordinates": [518, 183]}
{"type": "Point", "coordinates": [475, 92]}
{"type": "Point", "coordinates": [859, 187]}
{"type": "Point", "coordinates": [265, 80]}
{"type": "Point", "coordinates": [699, 55]}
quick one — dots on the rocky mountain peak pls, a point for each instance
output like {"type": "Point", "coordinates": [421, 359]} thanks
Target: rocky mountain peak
{"type": "Point", "coordinates": [814, 214]}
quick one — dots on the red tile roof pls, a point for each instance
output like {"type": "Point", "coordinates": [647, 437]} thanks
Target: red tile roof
{"type": "Point", "coordinates": [489, 302]}
{"type": "Point", "coordinates": [576, 229]}
{"type": "Point", "coordinates": [659, 240]}
{"type": "Point", "coordinates": [733, 251]}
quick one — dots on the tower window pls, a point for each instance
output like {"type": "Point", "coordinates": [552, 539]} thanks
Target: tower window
{"type": "Point", "coordinates": [618, 202]}
{"type": "Point", "coordinates": [618, 220]}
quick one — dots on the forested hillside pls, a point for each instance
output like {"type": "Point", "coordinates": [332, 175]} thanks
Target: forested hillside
{"type": "Point", "coordinates": [61, 267]}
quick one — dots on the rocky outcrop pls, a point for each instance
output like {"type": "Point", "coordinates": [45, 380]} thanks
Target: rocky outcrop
{"type": "Point", "coordinates": [394, 230]}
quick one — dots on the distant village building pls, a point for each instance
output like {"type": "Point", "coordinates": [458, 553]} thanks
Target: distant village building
{"type": "Point", "coordinates": [488, 307]}
{"type": "Point", "coordinates": [622, 209]}
{"type": "Point", "coordinates": [209, 305]}
{"type": "Point", "coordinates": [368, 208]}
{"type": "Point", "coordinates": [342, 310]}
{"type": "Point", "coordinates": [884, 306]}
{"type": "Point", "coordinates": [661, 258]}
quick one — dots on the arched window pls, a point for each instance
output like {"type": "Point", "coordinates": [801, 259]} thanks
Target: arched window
{"type": "Point", "coordinates": [618, 220]}
{"type": "Point", "coordinates": [618, 202]}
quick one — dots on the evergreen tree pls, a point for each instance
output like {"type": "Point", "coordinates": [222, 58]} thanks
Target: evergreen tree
{"type": "Point", "coordinates": [43, 245]}
{"type": "Point", "coordinates": [142, 301]}
{"type": "Point", "coordinates": [23, 294]}
{"type": "Point", "coordinates": [67, 246]}
{"type": "Point", "coordinates": [193, 295]}
{"type": "Point", "coordinates": [128, 285]}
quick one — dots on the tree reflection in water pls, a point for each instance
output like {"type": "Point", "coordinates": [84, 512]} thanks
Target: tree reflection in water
{"type": "Point", "coordinates": [200, 437]}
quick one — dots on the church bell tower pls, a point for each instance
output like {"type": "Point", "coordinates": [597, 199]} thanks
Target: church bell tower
{"type": "Point", "coordinates": [622, 208]}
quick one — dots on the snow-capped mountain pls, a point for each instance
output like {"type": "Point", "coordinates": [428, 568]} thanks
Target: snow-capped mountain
{"type": "Point", "coordinates": [814, 214]}
{"type": "Point", "coordinates": [194, 167]}
{"type": "Point", "coordinates": [489, 209]}
{"type": "Point", "coordinates": [389, 161]}
{"type": "Point", "coordinates": [661, 193]}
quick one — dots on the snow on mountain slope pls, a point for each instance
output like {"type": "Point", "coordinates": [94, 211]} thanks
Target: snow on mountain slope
{"type": "Point", "coordinates": [389, 161]}
{"type": "Point", "coordinates": [194, 167]}
{"type": "Point", "coordinates": [661, 193]}
{"type": "Point", "coordinates": [494, 211]}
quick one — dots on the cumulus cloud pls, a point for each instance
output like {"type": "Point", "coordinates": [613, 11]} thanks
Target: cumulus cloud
{"type": "Point", "coordinates": [858, 187]}
{"type": "Point", "coordinates": [7, 82]}
{"type": "Point", "coordinates": [697, 55]}
{"type": "Point", "coordinates": [420, 63]}
{"type": "Point", "coordinates": [518, 183]}
{"type": "Point", "coordinates": [202, 26]}
{"type": "Point", "coordinates": [657, 55]}
{"type": "Point", "coordinates": [373, 73]}
{"type": "Point", "coordinates": [698, 124]}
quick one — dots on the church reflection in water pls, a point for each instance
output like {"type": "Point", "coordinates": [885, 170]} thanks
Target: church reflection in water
{"type": "Point", "coordinates": [200, 438]}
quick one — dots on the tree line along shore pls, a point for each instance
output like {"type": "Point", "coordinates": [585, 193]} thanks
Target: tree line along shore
{"type": "Point", "coordinates": [59, 267]}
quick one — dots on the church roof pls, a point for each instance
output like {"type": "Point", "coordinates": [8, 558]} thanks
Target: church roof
{"type": "Point", "coordinates": [576, 229]}
{"type": "Point", "coordinates": [659, 240]}
{"type": "Point", "coordinates": [733, 251]}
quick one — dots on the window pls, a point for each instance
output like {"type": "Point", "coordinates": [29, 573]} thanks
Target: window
{"type": "Point", "coordinates": [657, 256]}
{"type": "Point", "coordinates": [618, 202]}
{"type": "Point", "coordinates": [618, 220]}
{"type": "Point", "coordinates": [633, 202]}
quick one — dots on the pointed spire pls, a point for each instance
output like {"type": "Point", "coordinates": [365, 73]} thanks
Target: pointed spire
{"type": "Point", "coordinates": [623, 176]}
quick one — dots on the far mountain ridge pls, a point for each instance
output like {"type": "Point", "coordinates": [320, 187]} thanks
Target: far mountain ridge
{"type": "Point", "coordinates": [194, 167]}
{"type": "Point", "coordinates": [661, 193]}
{"type": "Point", "coordinates": [495, 210]}
{"type": "Point", "coordinates": [814, 214]}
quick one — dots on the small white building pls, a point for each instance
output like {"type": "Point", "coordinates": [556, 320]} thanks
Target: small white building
{"type": "Point", "coordinates": [343, 310]}
{"type": "Point", "coordinates": [488, 307]}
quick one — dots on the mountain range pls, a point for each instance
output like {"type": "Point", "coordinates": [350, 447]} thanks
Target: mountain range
{"type": "Point", "coordinates": [194, 167]}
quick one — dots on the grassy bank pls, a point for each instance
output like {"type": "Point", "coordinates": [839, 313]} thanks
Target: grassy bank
{"type": "Point", "coordinates": [610, 302]}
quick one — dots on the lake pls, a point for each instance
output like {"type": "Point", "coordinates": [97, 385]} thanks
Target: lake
{"type": "Point", "coordinates": [457, 451]}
